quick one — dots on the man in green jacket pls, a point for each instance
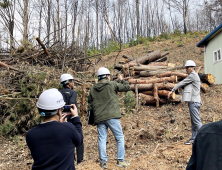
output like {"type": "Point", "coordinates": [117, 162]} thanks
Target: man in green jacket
{"type": "Point", "coordinates": [103, 102]}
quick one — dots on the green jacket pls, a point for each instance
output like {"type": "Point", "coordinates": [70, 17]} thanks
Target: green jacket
{"type": "Point", "coordinates": [103, 99]}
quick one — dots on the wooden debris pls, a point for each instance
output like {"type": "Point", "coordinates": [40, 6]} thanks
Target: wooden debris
{"type": "Point", "coordinates": [43, 46]}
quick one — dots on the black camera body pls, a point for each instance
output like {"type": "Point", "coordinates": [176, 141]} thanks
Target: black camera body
{"type": "Point", "coordinates": [67, 108]}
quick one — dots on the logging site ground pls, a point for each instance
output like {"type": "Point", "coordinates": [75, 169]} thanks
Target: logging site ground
{"type": "Point", "coordinates": [154, 137]}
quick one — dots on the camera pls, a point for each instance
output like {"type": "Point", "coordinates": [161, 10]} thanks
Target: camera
{"type": "Point", "coordinates": [67, 108]}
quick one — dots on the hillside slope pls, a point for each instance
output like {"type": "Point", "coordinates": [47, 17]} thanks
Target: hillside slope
{"type": "Point", "coordinates": [152, 140]}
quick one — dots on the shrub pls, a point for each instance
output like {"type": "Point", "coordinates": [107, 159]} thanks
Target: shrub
{"type": "Point", "coordinates": [180, 44]}
{"type": "Point", "coordinates": [177, 32]}
{"type": "Point", "coordinates": [129, 101]}
{"type": "Point", "coordinates": [164, 36]}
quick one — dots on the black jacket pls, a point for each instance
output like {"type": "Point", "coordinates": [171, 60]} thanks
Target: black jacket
{"type": "Point", "coordinates": [207, 148]}
{"type": "Point", "coordinates": [52, 144]}
{"type": "Point", "coordinates": [69, 97]}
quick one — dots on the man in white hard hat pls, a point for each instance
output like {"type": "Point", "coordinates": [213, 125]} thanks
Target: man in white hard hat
{"type": "Point", "coordinates": [52, 142]}
{"type": "Point", "coordinates": [69, 96]}
{"type": "Point", "coordinates": [103, 102]}
{"type": "Point", "coordinates": [191, 94]}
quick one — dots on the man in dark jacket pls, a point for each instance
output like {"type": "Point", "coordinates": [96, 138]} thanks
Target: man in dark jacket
{"type": "Point", "coordinates": [69, 96]}
{"type": "Point", "coordinates": [52, 142]}
{"type": "Point", "coordinates": [103, 102]}
{"type": "Point", "coordinates": [207, 148]}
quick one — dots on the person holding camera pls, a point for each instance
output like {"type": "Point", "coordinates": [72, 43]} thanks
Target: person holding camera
{"type": "Point", "coordinates": [104, 104]}
{"type": "Point", "coordinates": [53, 140]}
{"type": "Point", "coordinates": [69, 96]}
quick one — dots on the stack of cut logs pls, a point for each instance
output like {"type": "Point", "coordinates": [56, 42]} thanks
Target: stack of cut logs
{"type": "Point", "coordinates": [152, 78]}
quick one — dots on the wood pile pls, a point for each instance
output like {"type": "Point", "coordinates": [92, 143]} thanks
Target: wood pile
{"type": "Point", "coordinates": [152, 77]}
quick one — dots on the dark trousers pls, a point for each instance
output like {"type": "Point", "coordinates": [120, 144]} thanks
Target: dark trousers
{"type": "Point", "coordinates": [80, 153]}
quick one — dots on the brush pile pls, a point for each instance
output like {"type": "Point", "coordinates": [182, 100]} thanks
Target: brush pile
{"type": "Point", "coordinates": [152, 77]}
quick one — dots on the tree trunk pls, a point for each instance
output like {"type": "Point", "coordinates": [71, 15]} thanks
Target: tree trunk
{"type": "Point", "coordinates": [162, 64]}
{"type": "Point", "coordinates": [148, 58]}
{"type": "Point", "coordinates": [138, 20]}
{"type": "Point", "coordinates": [156, 72]}
{"type": "Point", "coordinates": [207, 78]}
{"type": "Point", "coordinates": [155, 94]}
{"type": "Point", "coordinates": [148, 99]}
{"type": "Point", "coordinates": [11, 29]}
{"type": "Point", "coordinates": [107, 20]}
{"type": "Point", "coordinates": [66, 23]}
{"type": "Point", "coordinates": [172, 73]}
{"type": "Point", "coordinates": [156, 80]}
{"type": "Point", "coordinates": [161, 93]}
{"type": "Point", "coordinates": [161, 86]}
{"type": "Point", "coordinates": [144, 68]}
{"type": "Point", "coordinates": [204, 87]}
{"type": "Point", "coordinates": [43, 46]}
{"type": "Point", "coordinates": [25, 20]}
{"type": "Point", "coordinates": [58, 22]}
{"type": "Point", "coordinates": [128, 58]}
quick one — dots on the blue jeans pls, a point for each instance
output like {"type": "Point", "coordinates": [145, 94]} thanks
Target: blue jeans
{"type": "Point", "coordinates": [115, 127]}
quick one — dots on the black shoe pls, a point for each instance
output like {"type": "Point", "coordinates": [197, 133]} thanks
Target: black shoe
{"type": "Point", "coordinates": [78, 162]}
{"type": "Point", "coordinates": [189, 142]}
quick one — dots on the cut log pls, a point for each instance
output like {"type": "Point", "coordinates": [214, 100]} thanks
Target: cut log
{"type": "Point", "coordinates": [161, 93]}
{"type": "Point", "coordinates": [150, 99]}
{"type": "Point", "coordinates": [155, 94]}
{"type": "Point", "coordinates": [207, 78]}
{"type": "Point", "coordinates": [146, 87]}
{"type": "Point", "coordinates": [128, 59]}
{"type": "Point", "coordinates": [156, 80]}
{"type": "Point", "coordinates": [156, 72]}
{"type": "Point", "coordinates": [147, 67]}
{"type": "Point", "coordinates": [173, 73]}
{"type": "Point", "coordinates": [148, 58]}
{"type": "Point", "coordinates": [162, 64]}
{"type": "Point", "coordinates": [204, 87]}
{"type": "Point", "coordinates": [118, 67]}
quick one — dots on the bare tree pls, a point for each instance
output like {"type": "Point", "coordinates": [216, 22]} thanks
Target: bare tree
{"type": "Point", "coordinates": [182, 7]}
{"type": "Point", "coordinates": [7, 13]}
{"type": "Point", "coordinates": [107, 19]}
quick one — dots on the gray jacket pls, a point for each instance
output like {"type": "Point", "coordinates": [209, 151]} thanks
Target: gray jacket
{"type": "Point", "coordinates": [191, 91]}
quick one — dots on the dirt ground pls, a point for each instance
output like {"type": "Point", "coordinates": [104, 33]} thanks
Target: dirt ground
{"type": "Point", "coordinates": [153, 140]}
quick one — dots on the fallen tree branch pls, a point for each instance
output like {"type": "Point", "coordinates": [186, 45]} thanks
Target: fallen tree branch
{"type": "Point", "coordinates": [9, 67]}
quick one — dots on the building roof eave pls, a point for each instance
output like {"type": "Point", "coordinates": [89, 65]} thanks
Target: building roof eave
{"type": "Point", "coordinates": [210, 36]}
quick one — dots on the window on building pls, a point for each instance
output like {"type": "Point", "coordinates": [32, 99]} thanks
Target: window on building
{"type": "Point", "coordinates": [217, 55]}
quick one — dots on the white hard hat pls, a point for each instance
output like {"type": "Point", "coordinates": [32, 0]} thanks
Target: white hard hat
{"type": "Point", "coordinates": [65, 77]}
{"type": "Point", "coordinates": [190, 63]}
{"type": "Point", "coordinates": [102, 71]}
{"type": "Point", "coordinates": [50, 99]}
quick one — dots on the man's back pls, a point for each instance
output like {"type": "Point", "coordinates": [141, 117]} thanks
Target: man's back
{"type": "Point", "coordinates": [207, 148]}
{"type": "Point", "coordinates": [52, 144]}
{"type": "Point", "coordinates": [103, 99]}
